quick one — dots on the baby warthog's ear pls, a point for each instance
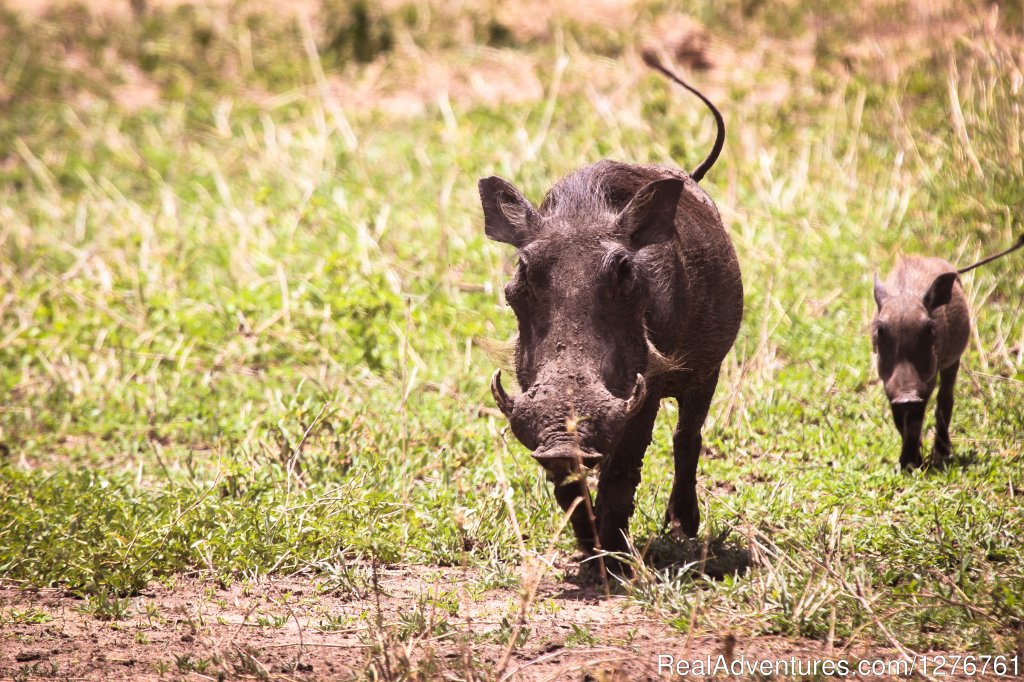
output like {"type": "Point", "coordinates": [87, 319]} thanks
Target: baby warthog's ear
{"type": "Point", "coordinates": [508, 216]}
{"type": "Point", "coordinates": [881, 293]}
{"type": "Point", "coordinates": [940, 292]}
{"type": "Point", "coordinates": [650, 217]}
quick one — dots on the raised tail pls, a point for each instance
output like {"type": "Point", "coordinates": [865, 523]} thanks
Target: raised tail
{"type": "Point", "coordinates": [651, 59]}
{"type": "Point", "coordinates": [1019, 243]}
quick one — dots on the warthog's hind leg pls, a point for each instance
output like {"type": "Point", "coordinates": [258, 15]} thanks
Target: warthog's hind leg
{"type": "Point", "coordinates": [683, 513]}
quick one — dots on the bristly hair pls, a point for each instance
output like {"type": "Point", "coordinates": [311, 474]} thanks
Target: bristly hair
{"type": "Point", "coordinates": [658, 363]}
{"type": "Point", "coordinates": [603, 188]}
{"type": "Point", "coordinates": [501, 353]}
{"type": "Point", "coordinates": [583, 193]}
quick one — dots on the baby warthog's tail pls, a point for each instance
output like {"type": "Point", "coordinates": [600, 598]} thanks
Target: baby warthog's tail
{"type": "Point", "coordinates": [1019, 243]}
{"type": "Point", "coordinates": [651, 59]}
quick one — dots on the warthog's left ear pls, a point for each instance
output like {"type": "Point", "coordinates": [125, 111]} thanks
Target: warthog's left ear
{"type": "Point", "coordinates": [508, 216]}
{"type": "Point", "coordinates": [881, 293]}
{"type": "Point", "coordinates": [650, 217]}
{"type": "Point", "coordinates": [940, 292]}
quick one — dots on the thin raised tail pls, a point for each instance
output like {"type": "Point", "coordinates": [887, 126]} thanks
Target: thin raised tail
{"type": "Point", "coordinates": [651, 59]}
{"type": "Point", "coordinates": [1019, 243]}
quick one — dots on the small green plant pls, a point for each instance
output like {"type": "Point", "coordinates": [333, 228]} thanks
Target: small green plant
{"type": "Point", "coordinates": [106, 606]}
{"type": "Point", "coordinates": [271, 620]}
{"type": "Point", "coordinates": [334, 622]}
{"type": "Point", "coordinates": [29, 616]}
{"type": "Point", "coordinates": [580, 636]}
{"type": "Point", "coordinates": [188, 663]}
{"type": "Point", "coordinates": [41, 669]}
{"type": "Point", "coordinates": [424, 620]}
{"type": "Point", "coordinates": [503, 634]}
{"type": "Point", "coordinates": [151, 611]}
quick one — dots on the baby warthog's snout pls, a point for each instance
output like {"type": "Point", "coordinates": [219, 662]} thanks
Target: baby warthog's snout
{"type": "Point", "coordinates": [907, 399]}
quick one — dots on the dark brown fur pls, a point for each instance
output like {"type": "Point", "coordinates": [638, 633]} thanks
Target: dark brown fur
{"type": "Point", "coordinates": [920, 330]}
{"type": "Point", "coordinates": [618, 258]}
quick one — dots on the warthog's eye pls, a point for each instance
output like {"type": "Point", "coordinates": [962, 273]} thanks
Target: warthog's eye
{"type": "Point", "coordinates": [527, 282]}
{"type": "Point", "coordinates": [618, 269]}
{"type": "Point", "coordinates": [927, 336]}
{"type": "Point", "coordinates": [880, 335]}
{"type": "Point", "coordinates": [522, 269]}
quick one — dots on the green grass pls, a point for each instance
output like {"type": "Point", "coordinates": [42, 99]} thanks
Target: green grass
{"type": "Point", "coordinates": [237, 324]}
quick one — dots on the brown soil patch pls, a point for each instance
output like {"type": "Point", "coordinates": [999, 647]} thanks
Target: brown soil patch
{"type": "Point", "coordinates": [432, 619]}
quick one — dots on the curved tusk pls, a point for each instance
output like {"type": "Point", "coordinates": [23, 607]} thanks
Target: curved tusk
{"type": "Point", "coordinates": [636, 400]}
{"type": "Point", "coordinates": [504, 400]}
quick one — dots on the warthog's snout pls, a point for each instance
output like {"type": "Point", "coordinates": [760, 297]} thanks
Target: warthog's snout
{"type": "Point", "coordinates": [507, 404]}
{"type": "Point", "coordinates": [906, 412]}
{"type": "Point", "coordinates": [908, 399]}
{"type": "Point", "coordinates": [566, 457]}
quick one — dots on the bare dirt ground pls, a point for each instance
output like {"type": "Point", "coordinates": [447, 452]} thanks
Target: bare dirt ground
{"type": "Point", "coordinates": [427, 618]}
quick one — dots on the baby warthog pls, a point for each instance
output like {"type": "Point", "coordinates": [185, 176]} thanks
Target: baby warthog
{"type": "Point", "coordinates": [919, 332]}
{"type": "Point", "coordinates": [627, 290]}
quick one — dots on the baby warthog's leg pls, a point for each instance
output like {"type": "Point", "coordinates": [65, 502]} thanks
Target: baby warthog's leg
{"type": "Point", "coordinates": [942, 449]}
{"type": "Point", "coordinates": [909, 418]}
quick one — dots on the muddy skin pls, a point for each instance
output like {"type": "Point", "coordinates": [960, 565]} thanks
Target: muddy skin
{"type": "Point", "coordinates": [920, 330]}
{"type": "Point", "coordinates": [627, 291]}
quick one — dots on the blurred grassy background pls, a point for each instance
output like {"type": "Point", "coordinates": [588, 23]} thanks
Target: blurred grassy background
{"type": "Point", "coordinates": [242, 272]}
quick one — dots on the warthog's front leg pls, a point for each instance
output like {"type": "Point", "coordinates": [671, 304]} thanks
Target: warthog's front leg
{"type": "Point", "coordinates": [909, 419]}
{"type": "Point", "coordinates": [569, 487]}
{"type": "Point", "coordinates": [620, 475]}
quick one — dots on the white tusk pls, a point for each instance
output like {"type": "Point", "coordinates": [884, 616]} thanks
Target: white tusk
{"type": "Point", "coordinates": [636, 400]}
{"type": "Point", "coordinates": [504, 400]}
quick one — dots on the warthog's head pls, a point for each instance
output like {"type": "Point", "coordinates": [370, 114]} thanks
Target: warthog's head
{"type": "Point", "coordinates": [580, 291]}
{"type": "Point", "coordinates": [903, 334]}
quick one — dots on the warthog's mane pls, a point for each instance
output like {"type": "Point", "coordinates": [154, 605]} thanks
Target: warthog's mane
{"type": "Point", "coordinates": [603, 188]}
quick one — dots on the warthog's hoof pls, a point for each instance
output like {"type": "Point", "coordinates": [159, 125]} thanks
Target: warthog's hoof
{"type": "Point", "coordinates": [683, 518]}
{"type": "Point", "coordinates": [910, 461]}
{"type": "Point", "coordinates": [942, 454]}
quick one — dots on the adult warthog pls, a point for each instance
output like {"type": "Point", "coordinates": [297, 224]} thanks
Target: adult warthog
{"type": "Point", "coordinates": [627, 290]}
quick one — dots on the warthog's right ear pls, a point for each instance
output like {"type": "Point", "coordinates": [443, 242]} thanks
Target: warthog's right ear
{"type": "Point", "coordinates": [508, 216]}
{"type": "Point", "coordinates": [940, 292]}
{"type": "Point", "coordinates": [650, 217]}
{"type": "Point", "coordinates": [881, 293]}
